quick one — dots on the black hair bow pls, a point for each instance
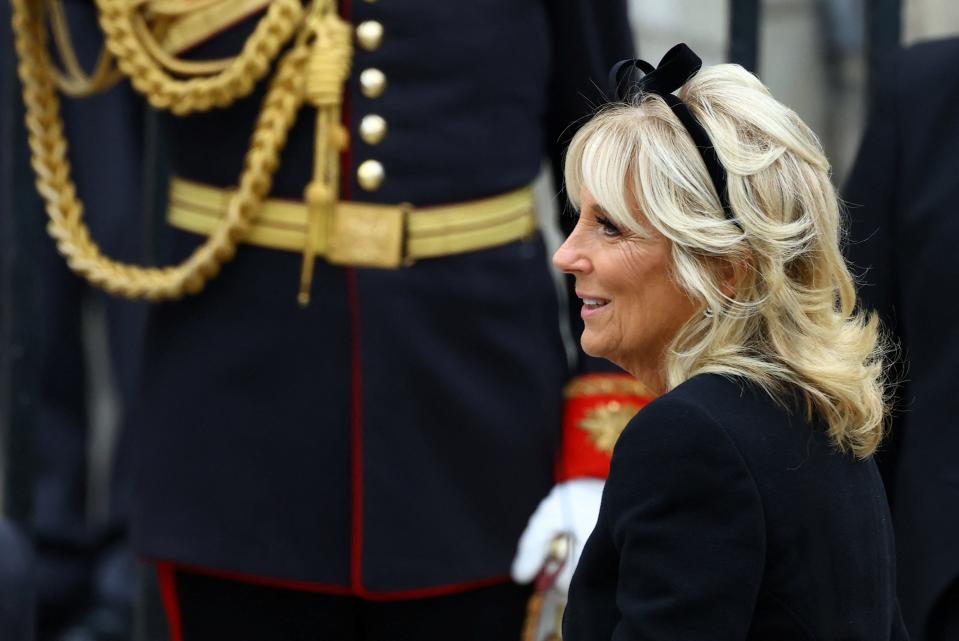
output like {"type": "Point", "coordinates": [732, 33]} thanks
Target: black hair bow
{"type": "Point", "coordinates": [630, 78]}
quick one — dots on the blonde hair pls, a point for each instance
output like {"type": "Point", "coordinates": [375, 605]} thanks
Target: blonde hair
{"type": "Point", "coordinates": [791, 324]}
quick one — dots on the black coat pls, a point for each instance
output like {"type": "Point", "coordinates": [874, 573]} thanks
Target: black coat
{"type": "Point", "coordinates": [393, 438]}
{"type": "Point", "coordinates": [904, 236]}
{"type": "Point", "coordinates": [725, 517]}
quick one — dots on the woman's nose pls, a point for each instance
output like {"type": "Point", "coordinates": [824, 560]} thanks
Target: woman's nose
{"type": "Point", "coordinates": [569, 258]}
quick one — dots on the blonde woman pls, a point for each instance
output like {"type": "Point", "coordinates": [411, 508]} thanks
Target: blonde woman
{"type": "Point", "coordinates": [743, 503]}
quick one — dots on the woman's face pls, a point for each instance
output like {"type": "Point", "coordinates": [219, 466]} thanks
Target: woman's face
{"type": "Point", "coordinates": [632, 308]}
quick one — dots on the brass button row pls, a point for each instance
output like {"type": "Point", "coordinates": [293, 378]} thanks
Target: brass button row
{"type": "Point", "coordinates": [372, 129]}
{"type": "Point", "coordinates": [370, 174]}
{"type": "Point", "coordinates": [369, 35]}
{"type": "Point", "coordinates": [372, 82]}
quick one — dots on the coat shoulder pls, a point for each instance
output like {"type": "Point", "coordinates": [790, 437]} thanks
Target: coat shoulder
{"type": "Point", "coordinates": [689, 418]}
{"type": "Point", "coordinates": [728, 412]}
{"type": "Point", "coordinates": [704, 399]}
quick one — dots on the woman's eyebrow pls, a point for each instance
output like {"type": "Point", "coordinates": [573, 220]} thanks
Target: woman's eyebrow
{"type": "Point", "coordinates": [598, 209]}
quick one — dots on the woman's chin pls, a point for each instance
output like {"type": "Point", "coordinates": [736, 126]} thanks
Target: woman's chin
{"type": "Point", "coordinates": [594, 345]}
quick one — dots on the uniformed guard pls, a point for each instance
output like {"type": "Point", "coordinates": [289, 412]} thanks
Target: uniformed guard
{"type": "Point", "coordinates": [344, 434]}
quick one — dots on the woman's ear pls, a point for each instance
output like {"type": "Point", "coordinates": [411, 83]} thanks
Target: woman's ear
{"type": "Point", "coordinates": [733, 272]}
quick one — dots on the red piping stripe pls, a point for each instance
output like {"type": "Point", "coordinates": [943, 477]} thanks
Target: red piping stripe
{"type": "Point", "coordinates": [356, 429]}
{"type": "Point", "coordinates": [356, 367]}
{"type": "Point", "coordinates": [252, 579]}
{"type": "Point", "coordinates": [442, 590]}
{"type": "Point", "coordinates": [171, 605]}
{"type": "Point", "coordinates": [346, 158]}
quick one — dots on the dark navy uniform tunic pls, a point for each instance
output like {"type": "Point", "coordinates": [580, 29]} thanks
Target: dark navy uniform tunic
{"type": "Point", "coordinates": [393, 438]}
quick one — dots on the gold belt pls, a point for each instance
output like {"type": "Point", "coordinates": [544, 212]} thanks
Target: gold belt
{"type": "Point", "coordinates": [365, 234]}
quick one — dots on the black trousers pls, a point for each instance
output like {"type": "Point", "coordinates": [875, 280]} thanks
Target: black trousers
{"type": "Point", "coordinates": [211, 608]}
{"type": "Point", "coordinates": [944, 617]}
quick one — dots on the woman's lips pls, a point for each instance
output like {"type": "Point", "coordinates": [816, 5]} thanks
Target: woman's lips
{"type": "Point", "coordinates": [592, 306]}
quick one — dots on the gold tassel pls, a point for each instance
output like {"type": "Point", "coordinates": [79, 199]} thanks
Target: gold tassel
{"type": "Point", "coordinates": [327, 71]}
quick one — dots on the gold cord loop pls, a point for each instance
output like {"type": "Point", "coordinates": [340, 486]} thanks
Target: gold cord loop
{"type": "Point", "coordinates": [170, 62]}
{"type": "Point", "coordinates": [235, 80]}
{"type": "Point", "coordinates": [49, 158]}
{"type": "Point", "coordinates": [72, 79]}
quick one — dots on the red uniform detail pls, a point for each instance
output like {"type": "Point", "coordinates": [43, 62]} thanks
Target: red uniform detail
{"type": "Point", "coordinates": [356, 429]}
{"type": "Point", "coordinates": [171, 604]}
{"type": "Point", "coordinates": [580, 456]}
{"type": "Point", "coordinates": [165, 570]}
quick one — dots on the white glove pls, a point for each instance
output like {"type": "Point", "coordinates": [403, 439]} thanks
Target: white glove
{"type": "Point", "coordinates": [571, 507]}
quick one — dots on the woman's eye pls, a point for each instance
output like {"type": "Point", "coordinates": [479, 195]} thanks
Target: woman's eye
{"type": "Point", "coordinates": [609, 229]}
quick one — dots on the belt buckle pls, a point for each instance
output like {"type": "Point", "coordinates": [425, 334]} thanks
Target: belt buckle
{"type": "Point", "coordinates": [368, 237]}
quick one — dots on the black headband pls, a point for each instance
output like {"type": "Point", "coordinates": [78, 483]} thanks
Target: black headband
{"type": "Point", "coordinates": [629, 78]}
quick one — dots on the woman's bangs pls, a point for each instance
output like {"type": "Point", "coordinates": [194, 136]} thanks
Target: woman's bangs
{"type": "Point", "coordinates": [604, 167]}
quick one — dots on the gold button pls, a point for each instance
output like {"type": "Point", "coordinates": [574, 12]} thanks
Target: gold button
{"type": "Point", "coordinates": [372, 129]}
{"type": "Point", "coordinates": [370, 175]}
{"type": "Point", "coordinates": [372, 82]}
{"type": "Point", "coordinates": [369, 34]}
